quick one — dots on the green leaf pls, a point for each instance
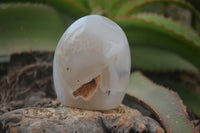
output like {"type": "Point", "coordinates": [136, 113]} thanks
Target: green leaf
{"type": "Point", "coordinates": [164, 103]}
{"type": "Point", "coordinates": [123, 9]}
{"type": "Point", "coordinates": [154, 59]}
{"type": "Point", "coordinates": [173, 81]}
{"type": "Point", "coordinates": [156, 31]}
{"type": "Point", "coordinates": [29, 27]}
{"type": "Point", "coordinates": [157, 6]}
{"type": "Point", "coordinates": [135, 6]}
{"type": "Point", "coordinates": [74, 8]}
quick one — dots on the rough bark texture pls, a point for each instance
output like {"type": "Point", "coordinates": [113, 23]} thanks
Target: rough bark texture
{"type": "Point", "coordinates": [28, 104]}
{"type": "Point", "coordinates": [63, 119]}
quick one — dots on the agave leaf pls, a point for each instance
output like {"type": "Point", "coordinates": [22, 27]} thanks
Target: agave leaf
{"type": "Point", "coordinates": [84, 4]}
{"type": "Point", "coordinates": [164, 103]}
{"type": "Point", "coordinates": [190, 98]}
{"type": "Point", "coordinates": [154, 59]}
{"type": "Point", "coordinates": [156, 31]}
{"type": "Point", "coordinates": [116, 3]}
{"type": "Point", "coordinates": [29, 27]}
{"type": "Point", "coordinates": [111, 5]}
{"type": "Point", "coordinates": [74, 8]}
{"type": "Point", "coordinates": [99, 3]}
{"type": "Point", "coordinates": [124, 8]}
{"type": "Point", "coordinates": [135, 6]}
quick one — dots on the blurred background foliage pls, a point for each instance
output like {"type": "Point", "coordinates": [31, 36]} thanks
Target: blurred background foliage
{"type": "Point", "coordinates": [163, 35]}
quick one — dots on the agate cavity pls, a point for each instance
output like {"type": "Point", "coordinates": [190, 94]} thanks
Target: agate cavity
{"type": "Point", "coordinates": [91, 66]}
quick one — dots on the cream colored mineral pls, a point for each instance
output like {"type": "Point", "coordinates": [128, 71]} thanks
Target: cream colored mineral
{"type": "Point", "coordinates": [92, 64]}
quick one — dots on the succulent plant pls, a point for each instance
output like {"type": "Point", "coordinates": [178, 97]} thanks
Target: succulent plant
{"type": "Point", "coordinates": [158, 42]}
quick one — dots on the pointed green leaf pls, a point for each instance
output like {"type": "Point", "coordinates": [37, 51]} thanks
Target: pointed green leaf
{"type": "Point", "coordinates": [172, 80]}
{"type": "Point", "coordinates": [74, 8]}
{"type": "Point", "coordinates": [156, 31]}
{"type": "Point", "coordinates": [156, 6]}
{"type": "Point", "coordinates": [29, 27]}
{"type": "Point", "coordinates": [154, 59]}
{"type": "Point", "coordinates": [116, 3]}
{"type": "Point", "coordinates": [135, 6]}
{"type": "Point", "coordinates": [164, 103]}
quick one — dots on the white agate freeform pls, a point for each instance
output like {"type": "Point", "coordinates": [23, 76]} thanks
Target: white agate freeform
{"type": "Point", "coordinates": [91, 65]}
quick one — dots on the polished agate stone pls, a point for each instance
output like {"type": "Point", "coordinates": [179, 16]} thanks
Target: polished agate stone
{"type": "Point", "coordinates": [91, 65]}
